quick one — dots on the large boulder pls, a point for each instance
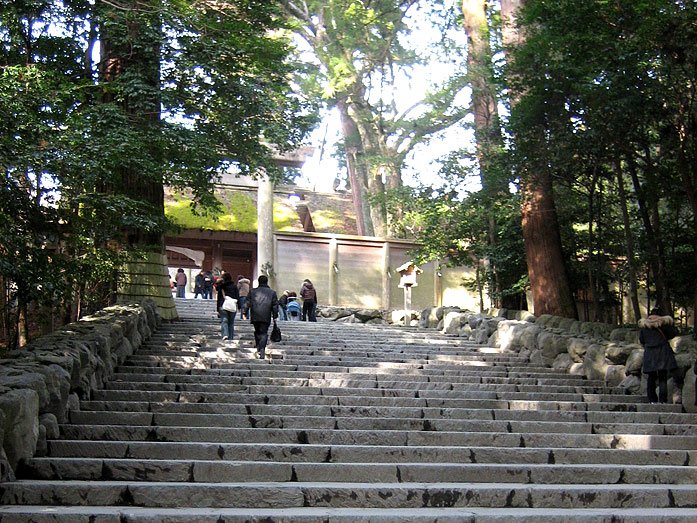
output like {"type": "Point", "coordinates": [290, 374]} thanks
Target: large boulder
{"type": "Point", "coordinates": [614, 375]}
{"type": "Point", "coordinates": [452, 322]}
{"type": "Point", "coordinates": [594, 362]}
{"type": "Point", "coordinates": [562, 362]}
{"type": "Point", "coordinates": [6, 471]}
{"type": "Point", "coordinates": [509, 334]}
{"type": "Point", "coordinates": [365, 315]}
{"type": "Point", "coordinates": [618, 353]}
{"type": "Point", "coordinates": [578, 348]}
{"type": "Point", "coordinates": [552, 344]}
{"type": "Point", "coordinates": [634, 362]}
{"type": "Point", "coordinates": [14, 378]}
{"type": "Point", "coordinates": [631, 383]}
{"type": "Point", "coordinates": [528, 338]}
{"type": "Point", "coordinates": [20, 408]}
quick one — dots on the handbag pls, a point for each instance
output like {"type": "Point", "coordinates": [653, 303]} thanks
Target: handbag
{"type": "Point", "coordinates": [230, 304]}
{"type": "Point", "coordinates": [275, 333]}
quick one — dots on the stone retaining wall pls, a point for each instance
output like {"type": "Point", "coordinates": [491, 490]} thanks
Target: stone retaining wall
{"type": "Point", "coordinates": [40, 382]}
{"type": "Point", "coordinates": [594, 350]}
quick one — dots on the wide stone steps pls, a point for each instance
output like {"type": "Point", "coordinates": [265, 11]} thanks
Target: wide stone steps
{"type": "Point", "coordinates": [343, 397]}
{"type": "Point", "coordinates": [374, 423]}
{"type": "Point", "coordinates": [354, 423]}
{"type": "Point", "coordinates": [292, 452]}
{"type": "Point", "coordinates": [218, 471]}
{"type": "Point", "coordinates": [293, 494]}
{"type": "Point", "coordinates": [261, 408]}
{"type": "Point", "coordinates": [354, 381]}
{"type": "Point", "coordinates": [103, 514]}
{"type": "Point", "coordinates": [417, 436]}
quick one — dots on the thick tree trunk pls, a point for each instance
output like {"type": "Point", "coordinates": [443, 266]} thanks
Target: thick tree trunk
{"type": "Point", "coordinates": [352, 145]}
{"type": "Point", "coordinates": [134, 50]}
{"type": "Point", "coordinates": [372, 145]}
{"type": "Point", "coordinates": [486, 121]}
{"type": "Point", "coordinates": [130, 48]}
{"type": "Point", "coordinates": [688, 175]}
{"type": "Point", "coordinates": [549, 281]}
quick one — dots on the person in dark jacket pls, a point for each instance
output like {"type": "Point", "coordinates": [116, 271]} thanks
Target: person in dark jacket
{"type": "Point", "coordinates": [309, 296]}
{"type": "Point", "coordinates": [659, 359]}
{"type": "Point", "coordinates": [262, 304]}
{"type": "Point", "coordinates": [226, 287]}
{"type": "Point", "coordinates": [207, 286]}
{"type": "Point", "coordinates": [198, 285]}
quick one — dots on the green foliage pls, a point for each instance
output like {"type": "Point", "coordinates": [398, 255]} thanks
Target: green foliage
{"type": "Point", "coordinates": [183, 92]}
{"type": "Point", "coordinates": [369, 53]}
{"type": "Point", "coordinates": [608, 87]}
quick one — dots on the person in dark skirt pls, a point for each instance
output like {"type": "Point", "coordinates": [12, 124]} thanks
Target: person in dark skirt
{"type": "Point", "coordinates": [659, 359]}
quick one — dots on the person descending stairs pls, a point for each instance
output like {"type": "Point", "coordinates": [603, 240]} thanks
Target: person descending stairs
{"type": "Point", "coordinates": [349, 422]}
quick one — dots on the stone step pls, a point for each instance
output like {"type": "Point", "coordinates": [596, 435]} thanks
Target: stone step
{"type": "Point", "coordinates": [262, 408]}
{"type": "Point", "coordinates": [333, 436]}
{"type": "Point", "coordinates": [225, 471]}
{"type": "Point", "coordinates": [124, 514]}
{"type": "Point", "coordinates": [344, 397]}
{"type": "Point", "coordinates": [293, 452]}
{"type": "Point", "coordinates": [360, 357]}
{"type": "Point", "coordinates": [423, 375]}
{"type": "Point", "coordinates": [374, 423]}
{"type": "Point", "coordinates": [486, 374]}
{"type": "Point", "coordinates": [364, 388]}
{"type": "Point", "coordinates": [306, 379]}
{"type": "Point", "coordinates": [347, 495]}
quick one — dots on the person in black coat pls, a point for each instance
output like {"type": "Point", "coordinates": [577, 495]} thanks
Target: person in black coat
{"type": "Point", "coordinates": [262, 303]}
{"type": "Point", "coordinates": [659, 358]}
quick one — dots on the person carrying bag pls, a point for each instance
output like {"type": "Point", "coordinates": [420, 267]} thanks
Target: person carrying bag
{"type": "Point", "coordinates": [227, 305]}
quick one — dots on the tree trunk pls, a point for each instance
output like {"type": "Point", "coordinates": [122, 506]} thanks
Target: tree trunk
{"type": "Point", "coordinates": [352, 145]}
{"type": "Point", "coordinates": [592, 284]}
{"type": "Point", "coordinates": [628, 243]}
{"type": "Point", "coordinates": [372, 144]}
{"type": "Point", "coordinates": [130, 49]}
{"type": "Point", "coordinates": [549, 281]}
{"type": "Point", "coordinates": [652, 240]}
{"type": "Point", "coordinates": [486, 120]}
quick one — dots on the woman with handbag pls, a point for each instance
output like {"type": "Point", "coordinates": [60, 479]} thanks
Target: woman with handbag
{"type": "Point", "coordinates": [227, 305]}
{"type": "Point", "coordinates": [659, 358]}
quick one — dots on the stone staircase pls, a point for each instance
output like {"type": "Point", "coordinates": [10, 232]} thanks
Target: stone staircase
{"type": "Point", "coordinates": [346, 423]}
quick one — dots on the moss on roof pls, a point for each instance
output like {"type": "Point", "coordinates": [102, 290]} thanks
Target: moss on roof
{"type": "Point", "coordinates": [330, 213]}
{"type": "Point", "coordinates": [238, 213]}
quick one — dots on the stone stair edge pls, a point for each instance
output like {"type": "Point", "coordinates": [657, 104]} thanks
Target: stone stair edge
{"type": "Point", "coordinates": [122, 514]}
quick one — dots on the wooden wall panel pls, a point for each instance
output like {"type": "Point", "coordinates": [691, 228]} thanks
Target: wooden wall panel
{"type": "Point", "coordinates": [297, 260]}
{"type": "Point", "coordinates": [360, 275]}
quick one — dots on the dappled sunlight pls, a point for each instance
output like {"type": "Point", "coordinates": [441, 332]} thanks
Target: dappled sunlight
{"type": "Point", "coordinates": [526, 405]}
{"type": "Point", "coordinates": [490, 350]}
